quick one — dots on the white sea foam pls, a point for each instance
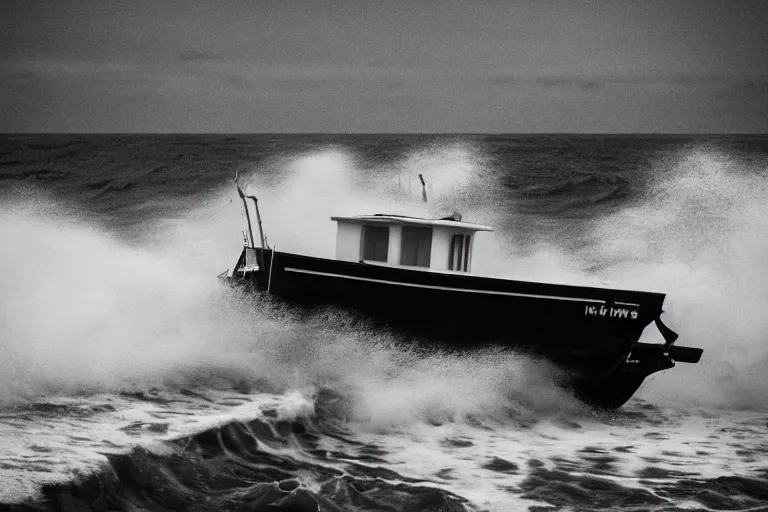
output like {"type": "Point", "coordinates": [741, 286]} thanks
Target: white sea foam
{"type": "Point", "coordinates": [701, 236]}
{"type": "Point", "coordinates": [84, 314]}
{"type": "Point", "coordinates": [82, 311]}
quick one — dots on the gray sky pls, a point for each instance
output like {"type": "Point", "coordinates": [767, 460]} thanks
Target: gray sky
{"type": "Point", "coordinates": [383, 66]}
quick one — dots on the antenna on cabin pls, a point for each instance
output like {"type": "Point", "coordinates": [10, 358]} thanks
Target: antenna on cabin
{"type": "Point", "coordinates": [423, 188]}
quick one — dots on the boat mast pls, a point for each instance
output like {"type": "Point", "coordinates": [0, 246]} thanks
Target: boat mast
{"type": "Point", "coordinates": [247, 215]}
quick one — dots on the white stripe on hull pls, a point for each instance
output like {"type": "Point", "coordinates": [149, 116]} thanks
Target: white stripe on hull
{"type": "Point", "coordinates": [446, 288]}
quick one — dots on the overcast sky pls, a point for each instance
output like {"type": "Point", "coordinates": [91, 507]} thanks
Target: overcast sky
{"type": "Point", "coordinates": [383, 66]}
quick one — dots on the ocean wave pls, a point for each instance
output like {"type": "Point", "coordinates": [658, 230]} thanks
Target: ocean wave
{"type": "Point", "coordinates": [303, 453]}
{"type": "Point", "coordinates": [132, 378]}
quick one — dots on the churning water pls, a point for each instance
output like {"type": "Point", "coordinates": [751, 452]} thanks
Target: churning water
{"type": "Point", "coordinates": [131, 377]}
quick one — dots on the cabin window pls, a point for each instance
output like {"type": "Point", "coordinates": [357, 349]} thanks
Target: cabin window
{"type": "Point", "coordinates": [375, 243]}
{"type": "Point", "coordinates": [458, 258]}
{"type": "Point", "coordinates": [417, 246]}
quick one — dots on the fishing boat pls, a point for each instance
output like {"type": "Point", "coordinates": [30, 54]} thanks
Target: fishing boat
{"type": "Point", "coordinates": [414, 276]}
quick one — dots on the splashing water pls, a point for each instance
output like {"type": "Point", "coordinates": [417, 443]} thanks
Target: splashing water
{"type": "Point", "coordinates": [109, 342]}
{"type": "Point", "coordinates": [98, 316]}
{"type": "Point", "coordinates": [702, 235]}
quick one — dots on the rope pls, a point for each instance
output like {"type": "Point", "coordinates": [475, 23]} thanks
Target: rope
{"type": "Point", "coordinates": [271, 260]}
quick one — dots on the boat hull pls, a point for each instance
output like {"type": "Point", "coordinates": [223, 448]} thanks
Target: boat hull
{"type": "Point", "coordinates": [589, 332]}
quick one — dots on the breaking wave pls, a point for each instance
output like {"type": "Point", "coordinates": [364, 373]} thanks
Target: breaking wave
{"type": "Point", "coordinates": [85, 314]}
{"type": "Point", "coordinates": [700, 234]}
{"type": "Point", "coordinates": [364, 419]}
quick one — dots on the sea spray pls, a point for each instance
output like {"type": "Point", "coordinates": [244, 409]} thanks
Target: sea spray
{"type": "Point", "coordinates": [83, 313]}
{"type": "Point", "coordinates": [700, 234]}
{"type": "Point", "coordinates": [98, 316]}
{"type": "Point", "coordinates": [384, 413]}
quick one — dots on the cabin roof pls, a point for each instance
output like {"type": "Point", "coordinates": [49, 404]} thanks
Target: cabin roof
{"type": "Point", "coordinates": [411, 221]}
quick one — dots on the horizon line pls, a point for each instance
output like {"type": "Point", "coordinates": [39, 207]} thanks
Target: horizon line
{"type": "Point", "coordinates": [667, 134]}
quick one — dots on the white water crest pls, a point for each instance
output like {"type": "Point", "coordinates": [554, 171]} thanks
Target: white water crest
{"type": "Point", "coordinates": [87, 318]}
{"type": "Point", "coordinates": [701, 236]}
{"type": "Point", "coordinates": [83, 313]}
{"type": "Point", "coordinates": [699, 233]}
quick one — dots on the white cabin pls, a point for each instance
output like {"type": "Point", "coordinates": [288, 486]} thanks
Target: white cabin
{"type": "Point", "coordinates": [434, 244]}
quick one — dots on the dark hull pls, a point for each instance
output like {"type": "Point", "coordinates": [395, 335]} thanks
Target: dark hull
{"type": "Point", "coordinates": [590, 332]}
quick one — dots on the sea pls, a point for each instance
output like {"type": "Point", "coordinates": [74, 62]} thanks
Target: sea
{"type": "Point", "coordinates": [133, 378]}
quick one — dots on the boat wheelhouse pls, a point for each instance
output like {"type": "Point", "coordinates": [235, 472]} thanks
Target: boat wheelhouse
{"type": "Point", "coordinates": [429, 244]}
{"type": "Point", "coordinates": [412, 276]}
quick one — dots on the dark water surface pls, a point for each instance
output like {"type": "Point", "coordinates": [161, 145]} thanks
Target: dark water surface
{"type": "Point", "coordinates": [132, 379]}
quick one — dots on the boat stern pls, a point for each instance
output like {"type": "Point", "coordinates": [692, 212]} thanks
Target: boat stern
{"type": "Point", "coordinates": [248, 265]}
